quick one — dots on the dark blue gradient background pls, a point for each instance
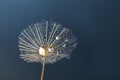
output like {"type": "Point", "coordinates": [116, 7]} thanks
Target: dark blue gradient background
{"type": "Point", "coordinates": [96, 24]}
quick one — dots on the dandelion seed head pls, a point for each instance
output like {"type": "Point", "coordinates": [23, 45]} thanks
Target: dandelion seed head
{"type": "Point", "coordinates": [46, 39]}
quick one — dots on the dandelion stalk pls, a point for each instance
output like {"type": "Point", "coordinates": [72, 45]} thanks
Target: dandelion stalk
{"type": "Point", "coordinates": [43, 69]}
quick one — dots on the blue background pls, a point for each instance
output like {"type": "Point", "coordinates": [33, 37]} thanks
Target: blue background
{"type": "Point", "coordinates": [96, 24]}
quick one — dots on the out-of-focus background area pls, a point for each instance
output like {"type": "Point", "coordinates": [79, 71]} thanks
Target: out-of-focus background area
{"type": "Point", "coordinates": [96, 24]}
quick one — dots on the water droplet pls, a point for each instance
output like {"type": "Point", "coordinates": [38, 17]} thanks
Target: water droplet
{"type": "Point", "coordinates": [64, 45]}
{"type": "Point", "coordinates": [66, 40]}
{"type": "Point", "coordinates": [57, 37]}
